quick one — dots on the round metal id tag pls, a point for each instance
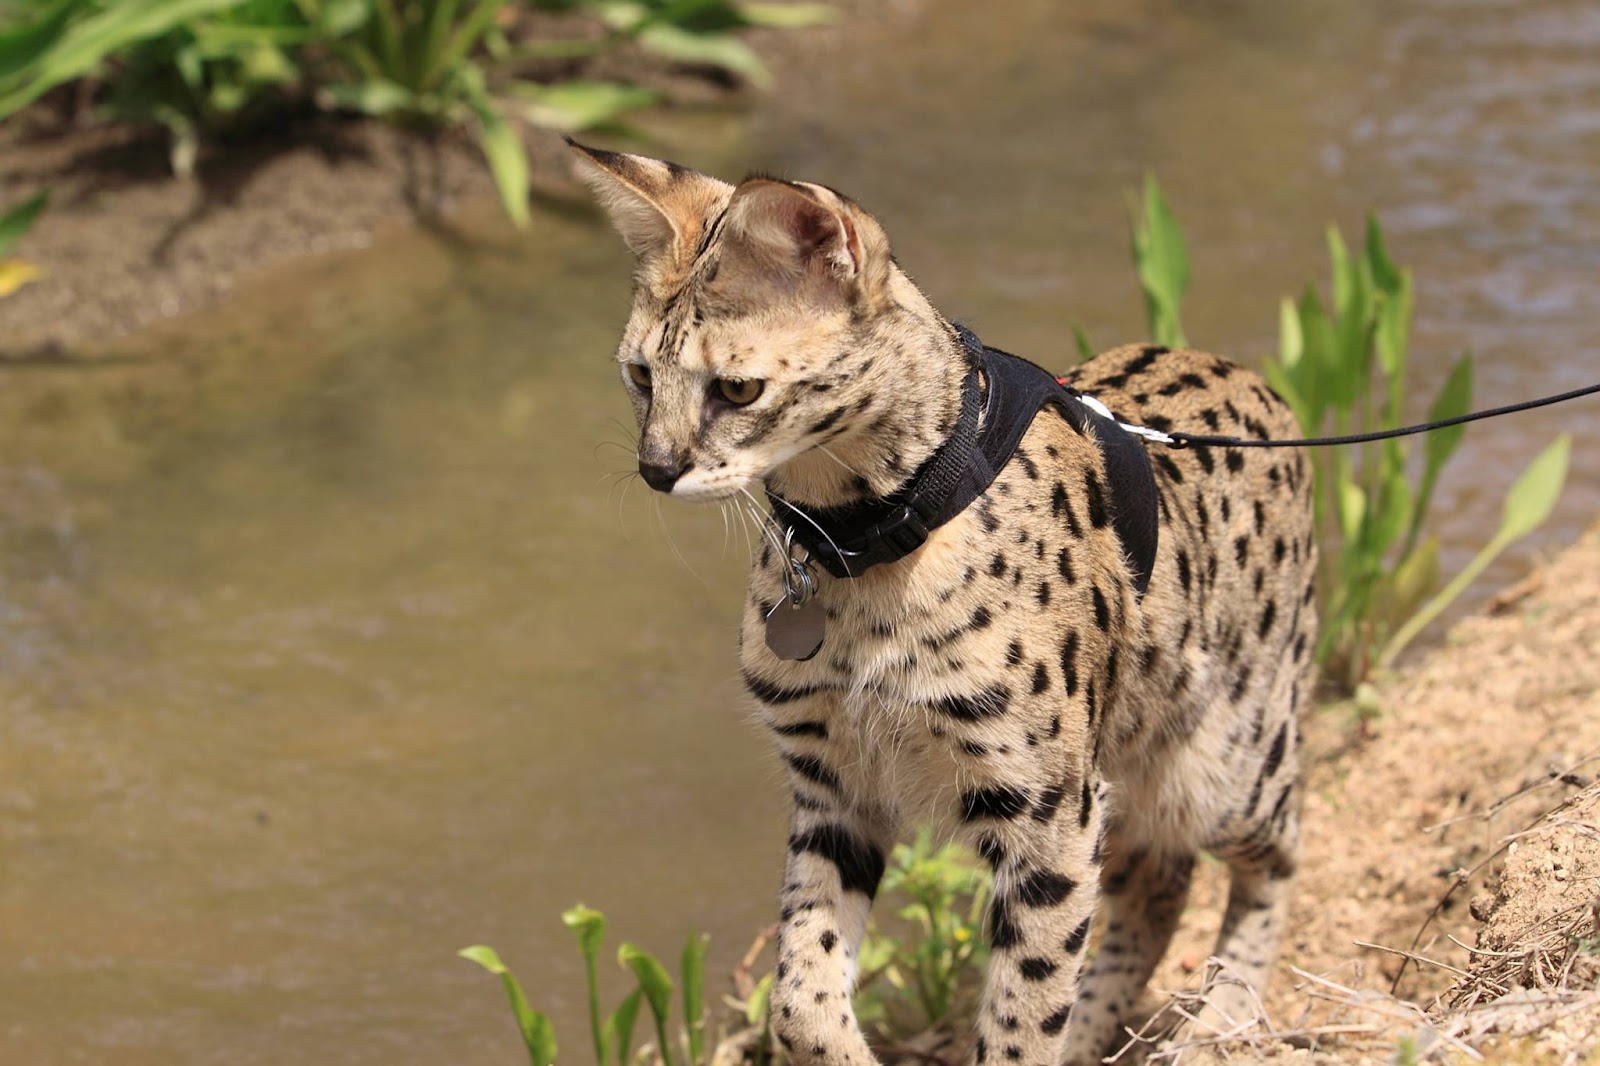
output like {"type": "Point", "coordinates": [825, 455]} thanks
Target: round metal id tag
{"type": "Point", "coordinates": [795, 631]}
{"type": "Point", "coordinates": [797, 622]}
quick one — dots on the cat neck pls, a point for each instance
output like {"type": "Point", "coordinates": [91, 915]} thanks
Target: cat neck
{"type": "Point", "coordinates": [919, 372]}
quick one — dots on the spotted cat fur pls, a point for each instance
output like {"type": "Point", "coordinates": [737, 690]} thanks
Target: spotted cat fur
{"type": "Point", "coordinates": [1003, 683]}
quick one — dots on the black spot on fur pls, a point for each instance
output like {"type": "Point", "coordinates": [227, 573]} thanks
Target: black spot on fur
{"type": "Point", "coordinates": [1075, 940]}
{"type": "Point", "coordinates": [1003, 931]}
{"type": "Point", "coordinates": [1275, 753]}
{"type": "Point", "coordinates": [991, 850]}
{"type": "Point", "coordinates": [828, 940]}
{"type": "Point", "coordinates": [1056, 1021]}
{"type": "Point", "coordinates": [990, 703]}
{"type": "Point", "coordinates": [1064, 565]}
{"type": "Point", "coordinates": [1102, 612]}
{"type": "Point", "coordinates": [1045, 888]}
{"type": "Point", "coordinates": [1268, 615]}
{"type": "Point", "coordinates": [1049, 803]}
{"type": "Point", "coordinates": [1041, 678]}
{"type": "Point", "coordinates": [1069, 663]}
{"type": "Point", "coordinates": [1034, 968]}
{"type": "Point", "coordinates": [1097, 500]}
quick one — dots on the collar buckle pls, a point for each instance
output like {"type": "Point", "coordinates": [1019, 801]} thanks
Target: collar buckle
{"type": "Point", "coordinates": [905, 532]}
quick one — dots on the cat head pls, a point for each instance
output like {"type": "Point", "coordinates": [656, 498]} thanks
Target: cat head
{"type": "Point", "coordinates": [771, 339]}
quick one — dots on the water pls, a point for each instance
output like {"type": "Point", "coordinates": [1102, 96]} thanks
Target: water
{"type": "Point", "coordinates": [327, 647]}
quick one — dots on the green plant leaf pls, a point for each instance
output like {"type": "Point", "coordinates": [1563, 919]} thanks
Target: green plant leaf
{"type": "Point", "coordinates": [374, 96]}
{"type": "Point", "coordinates": [1531, 499]}
{"type": "Point", "coordinates": [756, 1009]}
{"type": "Point", "coordinates": [1352, 501]}
{"type": "Point", "coordinates": [577, 105]}
{"type": "Point", "coordinates": [657, 986]}
{"type": "Point", "coordinates": [1454, 399]}
{"type": "Point", "coordinates": [785, 16]}
{"type": "Point", "coordinates": [23, 44]}
{"type": "Point", "coordinates": [1162, 262]}
{"type": "Point", "coordinates": [538, 1035]}
{"type": "Point", "coordinates": [619, 1028]}
{"type": "Point", "coordinates": [85, 43]}
{"type": "Point", "coordinates": [1080, 337]}
{"type": "Point", "coordinates": [17, 220]}
{"type": "Point", "coordinates": [692, 971]}
{"type": "Point", "coordinates": [590, 927]}
{"type": "Point", "coordinates": [707, 49]}
{"type": "Point", "coordinates": [508, 161]}
{"type": "Point", "coordinates": [1533, 495]}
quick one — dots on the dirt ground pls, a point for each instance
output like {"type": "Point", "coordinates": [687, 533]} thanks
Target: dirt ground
{"type": "Point", "coordinates": [1460, 825]}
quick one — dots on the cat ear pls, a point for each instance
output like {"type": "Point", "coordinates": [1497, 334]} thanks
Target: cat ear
{"type": "Point", "coordinates": [794, 226]}
{"type": "Point", "coordinates": [657, 206]}
{"type": "Point", "coordinates": [796, 230]}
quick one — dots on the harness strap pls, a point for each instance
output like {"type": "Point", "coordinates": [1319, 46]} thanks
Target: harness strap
{"type": "Point", "coordinates": [849, 540]}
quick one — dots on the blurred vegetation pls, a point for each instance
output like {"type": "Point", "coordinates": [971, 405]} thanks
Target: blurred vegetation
{"type": "Point", "coordinates": [202, 68]}
{"type": "Point", "coordinates": [1343, 368]}
{"type": "Point", "coordinates": [15, 222]}
{"type": "Point", "coordinates": [921, 976]}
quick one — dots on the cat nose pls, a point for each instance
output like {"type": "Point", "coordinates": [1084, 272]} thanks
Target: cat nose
{"type": "Point", "coordinates": [662, 476]}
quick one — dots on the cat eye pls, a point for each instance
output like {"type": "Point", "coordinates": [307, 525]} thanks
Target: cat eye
{"type": "Point", "coordinates": [639, 374]}
{"type": "Point", "coordinates": [738, 393]}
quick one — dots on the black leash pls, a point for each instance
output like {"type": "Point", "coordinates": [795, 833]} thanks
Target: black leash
{"type": "Point", "coordinates": [1183, 440]}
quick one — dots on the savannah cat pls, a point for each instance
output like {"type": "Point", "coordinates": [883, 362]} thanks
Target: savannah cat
{"type": "Point", "coordinates": [1005, 681]}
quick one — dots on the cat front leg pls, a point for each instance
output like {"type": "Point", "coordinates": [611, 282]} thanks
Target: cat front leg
{"type": "Point", "coordinates": [836, 859]}
{"type": "Point", "coordinates": [1045, 890]}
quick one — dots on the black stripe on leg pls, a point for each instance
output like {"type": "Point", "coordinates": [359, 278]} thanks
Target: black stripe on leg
{"type": "Point", "coordinates": [800, 729]}
{"type": "Point", "coordinates": [1002, 802]}
{"type": "Point", "coordinates": [1045, 888]}
{"type": "Point", "coordinates": [1075, 939]}
{"type": "Point", "coordinates": [812, 769]}
{"type": "Point", "coordinates": [860, 864]}
{"type": "Point", "coordinates": [767, 692]}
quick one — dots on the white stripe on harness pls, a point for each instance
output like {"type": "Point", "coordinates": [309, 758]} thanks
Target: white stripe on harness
{"type": "Point", "coordinates": [1138, 431]}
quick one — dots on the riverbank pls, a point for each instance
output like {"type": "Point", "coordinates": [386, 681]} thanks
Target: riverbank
{"type": "Point", "coordinates": [124, 243]}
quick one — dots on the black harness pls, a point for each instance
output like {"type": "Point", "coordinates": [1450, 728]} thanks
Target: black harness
{"type": "Point", "coordinates": [849, 540]}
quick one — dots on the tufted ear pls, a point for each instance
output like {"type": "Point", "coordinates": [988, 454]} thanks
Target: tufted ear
{"type": "Point", "coordinates": [657, 206]}
{"type": "Point", "coordinates": [793, 231]}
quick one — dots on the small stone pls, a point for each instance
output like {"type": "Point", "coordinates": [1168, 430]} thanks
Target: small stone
{"type": "Point", "coordinates": [1482, 906]}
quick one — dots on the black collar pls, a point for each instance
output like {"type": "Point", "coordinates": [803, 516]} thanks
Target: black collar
{"type": "Point", "coordinates": [849, 540]}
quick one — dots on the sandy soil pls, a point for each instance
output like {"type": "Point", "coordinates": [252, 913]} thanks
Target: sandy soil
{"type": "Point", "coordinates": [1459, 820]}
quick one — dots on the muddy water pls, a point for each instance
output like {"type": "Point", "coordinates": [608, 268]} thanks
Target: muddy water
{"type": "Point", "coordinates": [327, 646]}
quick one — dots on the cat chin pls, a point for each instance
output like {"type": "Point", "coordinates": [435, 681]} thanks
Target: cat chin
{"type": "Point", "coordinates": [708, 487]}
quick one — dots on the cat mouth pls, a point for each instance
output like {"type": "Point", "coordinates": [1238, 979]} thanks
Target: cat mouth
{"type": "Point", "coordinates": [710, 486]}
